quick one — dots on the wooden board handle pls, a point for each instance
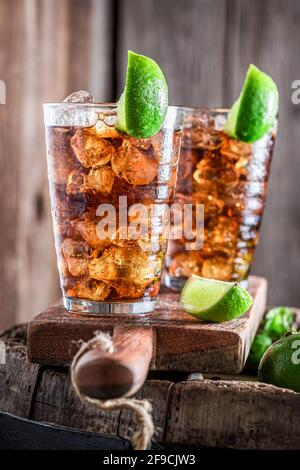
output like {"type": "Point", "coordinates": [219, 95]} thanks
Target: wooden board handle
{"type": "Point", "coordinates": [105, 375]}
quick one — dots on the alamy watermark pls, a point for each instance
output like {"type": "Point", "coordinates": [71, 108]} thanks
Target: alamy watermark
{"type": "Point", "coordinates": [2, 92]}
{"type": "Point", "coordinates": [295, 97]}
{"type": "Point", "coordinates": [296, 353]}
{"type": "Point", "coordinates": [152, 222]}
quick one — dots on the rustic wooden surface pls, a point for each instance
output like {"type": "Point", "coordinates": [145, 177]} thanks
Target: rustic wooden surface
{"type": "Point", "coordinates": [50, 48]}
{"type": "Point", "coordinates": [181, 341]}
{"type": "Point", "coordinates": [211, 412]}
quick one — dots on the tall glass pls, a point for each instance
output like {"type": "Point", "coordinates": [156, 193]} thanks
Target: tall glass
{"type": "Point", "coordinates": [230, 178]}
{"type": "Point", "coordinates": [109, 193]}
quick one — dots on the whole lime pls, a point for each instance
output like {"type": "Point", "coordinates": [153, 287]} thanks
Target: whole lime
{"type": "Point", "coordinates": [280, 365]}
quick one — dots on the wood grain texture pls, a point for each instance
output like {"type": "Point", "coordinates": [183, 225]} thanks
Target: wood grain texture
{"type": "Point", "coordinates": [17, 390]}
{"type": "Point", "coordinates": [181, 341]}
{"type": "Point", "coordinates": [234, 414]}
{"type": "Point", "coordinates": [49, 49]}
{"type": "Point", "coordinates": [10, 121]}
{"type": "Point", "coordinates": [54, 392]}
{"type": "Point", "coordinates": [204, 47]}
{"type": "Point", "coordinates": [158, 393]}
{"type": "Point", "coordinates": [192, 413]}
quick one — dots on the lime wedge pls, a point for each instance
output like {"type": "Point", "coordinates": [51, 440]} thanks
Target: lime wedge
{"type": "Point", "coordinates": [212, 300]}
{"type": "Point", "coordinates": [253, 114]}
{"type": "Point", "coordinates": [143, 104]}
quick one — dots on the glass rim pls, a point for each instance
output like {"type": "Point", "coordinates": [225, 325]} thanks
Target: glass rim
{"type": "Point", "coordinates": [207, 109]}
{"type": "Point", "coordinates": [99, 105]}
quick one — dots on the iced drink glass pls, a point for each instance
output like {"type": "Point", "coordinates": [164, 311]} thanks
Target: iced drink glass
{"type": "Point", "coordinates": [110, 256]}
{"type": "Point", "coordinates": [230, 178]}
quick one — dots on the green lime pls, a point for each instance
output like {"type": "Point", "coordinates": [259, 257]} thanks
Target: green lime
{"type": "Point", "coordinates": [280, 365]}
{"type": "Point", "coordinates": [255, 111]}
{"type": "Point", "coordinates": [278, 321]}
{"type": "Point", "coordinates": [259, 346]}
{"type": "Point", "coordinates": [212, 300]}
{"type": "Point", "coordinates": [144, 102]}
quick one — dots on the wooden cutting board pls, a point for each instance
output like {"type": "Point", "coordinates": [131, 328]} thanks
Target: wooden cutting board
{"type": "Point", "coordinates": [176, 340]}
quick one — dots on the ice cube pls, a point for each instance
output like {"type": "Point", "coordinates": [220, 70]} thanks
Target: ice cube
{"type": "Point", "coordinates": [75, 248]}
{"type": "Point", "coordinates": [187, 166]}
{"type": "Point", "coordinates": [91, 150]}
{"type": "Point", "coordinates": [100, 180]}
{"type": "Point", "coordinates": [87, 229]}
{"type": "Point", "coordinates": [89, 289]}
{"type": "Point", "coordinates": [127, 290]}
{"type": "Point", "coordinates": [61, 159]}
{"type": "Point", "coordinates": [70, 113]}
{"type": "Point", "coordinates": [133, 164]}
{"type": "Point", "coordinates": [142, 144]}
{"type": "Point", "coordinates": [68, 207]}
{"type": "Point", "coordinates": [75, 182]}
{"type": "Point", "coordinates": [106, 131]}
{"type": "Point", "coordinates": [213, 205]}
{"type": "Point", "coordinates": [185, 264]}
{"type": "Point", "coordinates": [77, 266]}
{"type": "Point", "coordinates": [235, 149]}
{"type": "Point", "coordinates": [200, 132]}
{"type": "Point", "coordinates": [80, 96]}
{"type": "Point", "coordinates": [76, 254]}
{"type": "Point", "coordinates": [142, 239]}
{"type": "Point", "coordinates": [218, 168]}
{"type": "Point", "coordinates": [225, 231]}
{"type": "Point", "coordinates": [128, 263]}
{"type": "Point", "coordinates": [218, 267]}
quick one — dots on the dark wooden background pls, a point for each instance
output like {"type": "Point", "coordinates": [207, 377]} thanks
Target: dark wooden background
{"type": "Point", "coordinates": [49, 48]}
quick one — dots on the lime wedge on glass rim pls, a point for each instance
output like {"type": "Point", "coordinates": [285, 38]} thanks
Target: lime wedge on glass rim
{"type": "Point", "coordinates": [213, 300]}
{"type": "Point", "coordinates": [144, 102]}
{"type": "Point", "coordinates": [253, 114]}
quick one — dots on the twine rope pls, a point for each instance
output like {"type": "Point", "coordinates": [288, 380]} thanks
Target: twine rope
{"type": "Point", "coordinates": [141, 409]}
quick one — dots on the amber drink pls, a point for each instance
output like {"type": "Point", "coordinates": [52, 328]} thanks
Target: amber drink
{"type": "Point", "coordinates": [230, 178]}
{"type": "Point", "coordinates": [93, 171]}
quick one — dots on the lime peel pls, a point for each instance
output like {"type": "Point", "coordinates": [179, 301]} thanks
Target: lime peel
{"type": "Point", "coordinates": [255, 111]}
{"type": "Point", "coordinates": [143, 105]}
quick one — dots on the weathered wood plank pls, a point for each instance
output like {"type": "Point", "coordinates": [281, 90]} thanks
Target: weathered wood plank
{"type": "Point", "coordinates": [157, 392]}
{"type": "Point", "coordinates": [18, 379]}
{"type": "Point", "coordinates": [234, 414]}
{"type": "Point", "coordinates": [181, 341]}
{"type": "Point", "coordinates": [56, 402]}
{"type": "Point", "coordinates": [191, 413]}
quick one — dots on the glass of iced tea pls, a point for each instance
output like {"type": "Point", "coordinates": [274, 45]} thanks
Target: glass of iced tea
{"type": "Point", "coordinates": [230, 179]}
{"type": "Point", "coordinates": [108, 194]}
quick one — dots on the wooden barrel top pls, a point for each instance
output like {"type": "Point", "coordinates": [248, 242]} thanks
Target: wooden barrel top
{"type": "Point", "coordinates": [223, 411]}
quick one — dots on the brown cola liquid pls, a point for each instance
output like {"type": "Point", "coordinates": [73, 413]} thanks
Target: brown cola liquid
{"type": "Point", "coordinates": [93, 166]}
{"type": "Point", "coordinates": [231, 179]}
